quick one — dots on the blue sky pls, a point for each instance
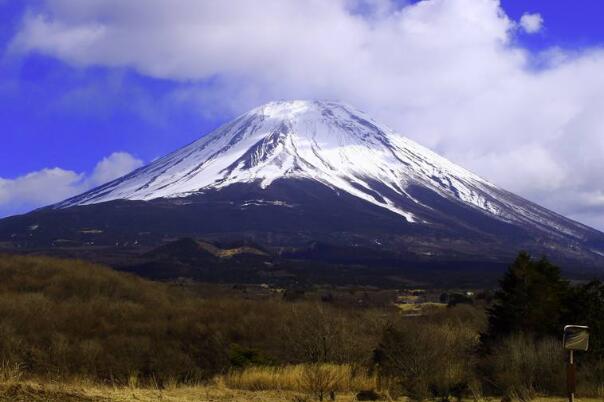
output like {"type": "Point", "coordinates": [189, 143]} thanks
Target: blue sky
{"type": "Point", "coordinates": [82, 93]}
{"type": "Point", "coordinates": [567, 24]}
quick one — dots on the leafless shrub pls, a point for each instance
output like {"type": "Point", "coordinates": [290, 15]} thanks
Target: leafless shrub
{"type": "Point", "coordinates": [524, 367]}
{"type": "Point", "coordinates": [427, 359]}
{"type": "Point", "coordinates": [320, 380]}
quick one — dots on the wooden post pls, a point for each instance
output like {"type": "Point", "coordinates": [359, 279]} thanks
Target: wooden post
{"type": "Point", "coordinates": [571, 378]}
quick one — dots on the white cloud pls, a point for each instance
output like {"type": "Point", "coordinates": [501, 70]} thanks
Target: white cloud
{"type": "Point", "coordinates": [48, 186]}
{"type": "Point", "coordinates": [447, 73]}
{"type": "Point", "coordinates": [37, 188]}
{"type": "Point", "coordinates": [531, 23]}
{"type": "Point", "coordinates": [111, 167]}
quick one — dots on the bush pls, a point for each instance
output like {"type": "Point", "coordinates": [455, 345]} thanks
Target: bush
{"type": "Point", "coordinates": [320, 380]}
{"type": "Point", "coordinates": [319, 333]}
{"type": "Point", "coordinates": [590, 377]}
{"type": "Point", "coordinates": [522, 366]}
{"type": "Point", "coordinates": [423, 359]}
{"type": "Point", "coordinates": [243, 357]}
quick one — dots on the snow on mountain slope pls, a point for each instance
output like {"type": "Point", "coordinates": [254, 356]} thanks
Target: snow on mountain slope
{"type": "Point", "coordinates": [330, 143]}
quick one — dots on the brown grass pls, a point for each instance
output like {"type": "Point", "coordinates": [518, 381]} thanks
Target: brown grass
{"type": "Point", "coordinates": [32, 391]}
{"type": "Point", "coordinates": [10, 372]}
{"type": "Point", "coordinates": [82, 391]}
{"type": "Point", "coordinates": [346, 378]}
{"type": "Point", "coordinates": [419, 308]}
{"type": "Point", "coordinates": [269, 384]}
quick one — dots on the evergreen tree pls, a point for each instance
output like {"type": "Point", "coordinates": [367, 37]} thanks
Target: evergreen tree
{"type": "Point", "coordinates": [586, 307]}
{"type": "Point", "coordinates": [531, 299]}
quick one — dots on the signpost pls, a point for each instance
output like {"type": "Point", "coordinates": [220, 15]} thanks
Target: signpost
{"type": "Point", "coordinates": [576, 337]}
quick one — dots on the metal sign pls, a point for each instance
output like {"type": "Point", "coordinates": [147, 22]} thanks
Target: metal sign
{"type": "Point", "coordinates": [576, 337]}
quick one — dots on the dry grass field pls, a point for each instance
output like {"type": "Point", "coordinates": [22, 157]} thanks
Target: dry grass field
{"type": "Point", "coordinates": [37, 392]}
{"type": "Point", "coordinates": [32, 391]}
{"type": "Point", "coordinates": [289, 383]}
{"type": "Point", "coordinates": [295, 383]}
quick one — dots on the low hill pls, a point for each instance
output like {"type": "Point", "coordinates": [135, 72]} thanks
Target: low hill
{"type": "Point", "coordinates": [76, 318]}
{"type": "Point", "coordinates": [64, 318]}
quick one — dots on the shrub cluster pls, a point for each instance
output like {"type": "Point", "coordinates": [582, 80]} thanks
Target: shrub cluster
{"type": "Point", "coordinates": [63, 318]}
{"type": "Point", "coordinates": [430, 356]}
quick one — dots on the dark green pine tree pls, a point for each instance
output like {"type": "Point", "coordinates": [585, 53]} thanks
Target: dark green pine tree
{"type": "Point", "coordinates": [586, 307]}
{"type": "Point", "coordinates": [531, 299]}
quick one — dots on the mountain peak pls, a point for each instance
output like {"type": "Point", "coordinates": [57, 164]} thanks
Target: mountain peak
{"type": "Point", "coordinates": [329, 143]}
{"type": "Point", "coordinates": [314, 110]}
{"type": "Point", "coordinates": [324, 141]}
{"type": "Point", "coordinates": [289, 108]}
{"type": "Point", "coordinates": [286, 108]}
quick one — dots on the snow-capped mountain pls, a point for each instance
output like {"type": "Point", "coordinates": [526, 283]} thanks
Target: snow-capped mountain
{"type": "Point", "coordinates": [330, 143]}
{"type": "Point", "coordinates": [290, 172]}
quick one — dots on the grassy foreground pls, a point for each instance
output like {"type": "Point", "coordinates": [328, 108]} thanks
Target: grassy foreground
{"type": "Point", "coordinates": [32, 391]}
{"type": "Point", "coordinates": [49, 392]}
{"type": "Point", "coordinates": [293, 383]}
{"type": "Point", "coordinates": [287, 383]}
